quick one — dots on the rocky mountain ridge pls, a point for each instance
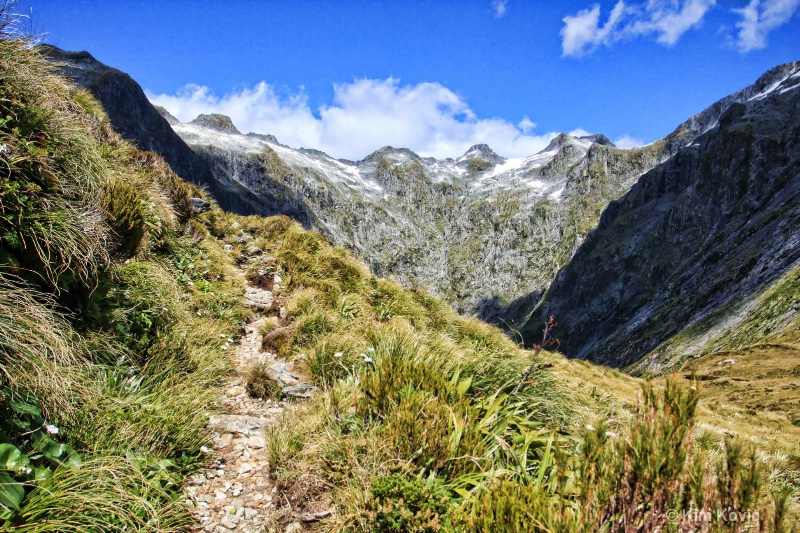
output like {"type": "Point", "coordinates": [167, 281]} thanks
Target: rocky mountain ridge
{"type": "Point", "coordinates": [479, 230]}
{"type": "Point", "coordinates": [485, 232]}
{"type": "Point", "coordinates": [139, 122]}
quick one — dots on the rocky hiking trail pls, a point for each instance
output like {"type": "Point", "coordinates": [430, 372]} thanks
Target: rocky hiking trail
{"type": "Point", "coordinates": [234, 492]}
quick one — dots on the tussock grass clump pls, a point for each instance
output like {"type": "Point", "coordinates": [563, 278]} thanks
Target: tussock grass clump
{"type": "Point", "coordinates": [141, 303]}
{"type": "Point", "coordinates": [395, 375]}
{"type": "Point", "coordinates": [53, 174]}
{"type": "Point", "coordinates": [166, 421]}
{"type": "Point", "coordinates": [260, 384]}
{"type": "Point", "coordinates": [312, 327]}
{"type": "Point", "coordinates": [639, 478]}
{"type": "Point", "coordinates": [38, 352]}
{"type": "Point", "coordinates": [105, 495]}
{"type": "Point", "coordinates": [337, 357]}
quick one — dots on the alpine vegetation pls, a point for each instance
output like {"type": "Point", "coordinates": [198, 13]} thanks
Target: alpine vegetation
{"type": "Point", "coordinates": [142, 326]}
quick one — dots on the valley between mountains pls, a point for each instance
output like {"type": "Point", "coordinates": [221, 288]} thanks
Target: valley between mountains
{"type": "Point", "coordinates": [688, 239]}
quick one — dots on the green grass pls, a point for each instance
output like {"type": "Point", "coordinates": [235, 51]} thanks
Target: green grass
{"type": "Point", "coordinates": [413, 395]}
{"type": "Point", "coordinates": [105, 495]}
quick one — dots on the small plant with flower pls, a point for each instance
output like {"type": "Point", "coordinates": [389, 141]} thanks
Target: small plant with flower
{"type": "Point", "coordinates": [29, 449]}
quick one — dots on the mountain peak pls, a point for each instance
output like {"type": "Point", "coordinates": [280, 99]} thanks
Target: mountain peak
{"type": "Point", "coordinates": [482, 151]}
{"type": "Point", "coordinates": [264, 137]}
{"type": "Point", "coordinates": [215, 121]}
{"type": "Point", "coordinates": [396, 154]}
{"type": "Point", "coordinates": [558, 141]}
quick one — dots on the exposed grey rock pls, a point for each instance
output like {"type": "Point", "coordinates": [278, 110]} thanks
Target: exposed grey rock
{"type": "Point", "coordinates": [256, 442]}
{"type": "Point", "coordinates": [166, 114]}
{"type": "Point", "coordinates": [258, 298]}
{"type": "Point", "coordinates": [200, 206]}
{"type": "Point", "coordinates": [313, 517]}
{"type": "Point", "coordinates": [278, 372]}
{"type": "Point", "coordinates": [599, 139]}
{"type": "Point", "coordinates": [303, 390]}
{"type": "Point", "coordinates": [268, 138]}
{"type": "Point", "coordinates": [239, 424]}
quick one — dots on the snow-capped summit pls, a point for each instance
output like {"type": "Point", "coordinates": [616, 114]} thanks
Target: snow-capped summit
{"type": "Point", "coordinates": [481, 151]}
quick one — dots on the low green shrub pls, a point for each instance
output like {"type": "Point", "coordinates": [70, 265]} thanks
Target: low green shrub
{"type": "Point", "coordinates": [312, 327]}
{"type": "Point", "coordinates": [400, 503]}
{"type": "Point", "coordinates": [337, 356]}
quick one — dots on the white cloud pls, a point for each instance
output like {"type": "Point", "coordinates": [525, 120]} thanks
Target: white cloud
{"type": "Point", "coordinates": [627, 141]}
{"type": "Point", "coordinates": [759, 18]}
{"type": "Point", "coordinates": [582, 32]}
{"type": "Point", "coordinates": [499, 7]}
{"type": "Point", "coordinates": [668, 20]}
{"type": "Point", "coordinates": [365, 115]}
{"type": "Point", "coordinates": [526, 125]}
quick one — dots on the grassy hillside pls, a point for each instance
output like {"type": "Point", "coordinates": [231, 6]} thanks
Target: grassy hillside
{"type": "Point", "coordinates": [748, 358]}
{"type": "Point", "coordinates": [418, 426]}
{"type": "Point", "coordinates": [116, 298]}
{"type": "Point", "coordinates": [112, 304]}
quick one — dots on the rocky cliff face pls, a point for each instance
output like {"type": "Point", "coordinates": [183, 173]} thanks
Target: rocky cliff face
{"type": "Point", "coordinates": [695, 242]}
{"type": "Point", "coordinates": [480, 230]}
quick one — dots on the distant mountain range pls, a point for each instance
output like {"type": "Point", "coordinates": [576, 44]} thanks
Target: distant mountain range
{"type": "Point", "coordinates": [490, 234]}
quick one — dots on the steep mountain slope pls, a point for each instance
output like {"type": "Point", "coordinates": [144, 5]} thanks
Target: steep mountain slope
{"type": "Point", "coordinates": [136, 119]}
{"type": "Point", "coordinates": [681, 262]}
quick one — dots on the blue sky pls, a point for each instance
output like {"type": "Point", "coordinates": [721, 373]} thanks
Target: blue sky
{"type": "Point", "coordinates": [349, 77]}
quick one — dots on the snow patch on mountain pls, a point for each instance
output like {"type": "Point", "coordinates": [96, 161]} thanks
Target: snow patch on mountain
{"type": "Point", "coordinates": [324, 166]}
